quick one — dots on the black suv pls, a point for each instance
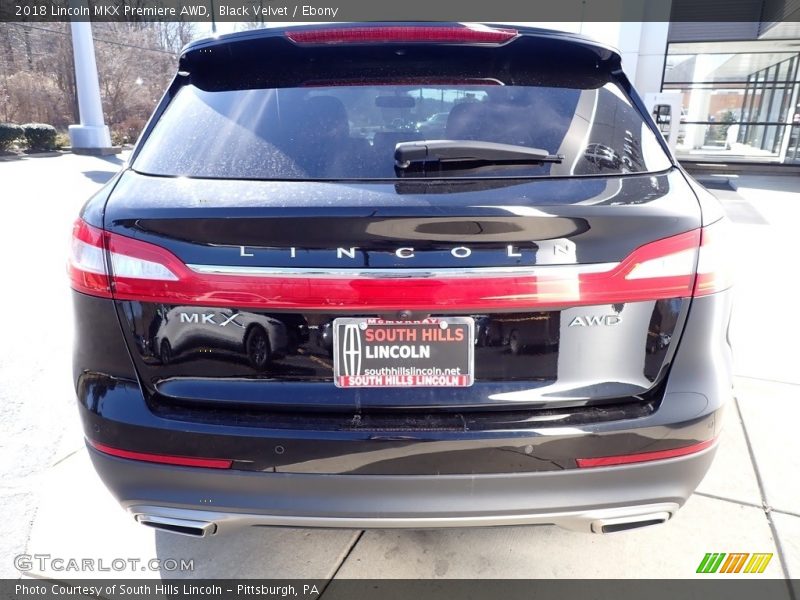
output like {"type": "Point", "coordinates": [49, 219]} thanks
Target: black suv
{"type": "Point", "coordinates": [297, 307]}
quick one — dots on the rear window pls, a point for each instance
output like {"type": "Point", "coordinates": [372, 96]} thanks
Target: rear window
{"type": "Point", "coordinates": [349, 132]}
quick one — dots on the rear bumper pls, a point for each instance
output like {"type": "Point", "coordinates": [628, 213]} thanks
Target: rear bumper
{"type": "Point", "coordinates": [578, 499]}
{"type": "Point", "coordinates": [523, 472]}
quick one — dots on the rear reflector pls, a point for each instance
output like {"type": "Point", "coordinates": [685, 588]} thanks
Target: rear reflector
{"type": "Point", "coordinates": [137, 270]}
{"type": "Point", "coordinates": [467, 34]}
{"type": "Point", "coordinates": [183, 461]}
{"type": "Point", "coordinates": [625, 459]}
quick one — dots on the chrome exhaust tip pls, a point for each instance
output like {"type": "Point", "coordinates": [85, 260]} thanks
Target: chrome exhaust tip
{"type": "Point", "coordinates": [178, 526]}
{"type": "Point", "coordinates": [628, 523]}
{"type": "Point", "coordinates": [620, 518]}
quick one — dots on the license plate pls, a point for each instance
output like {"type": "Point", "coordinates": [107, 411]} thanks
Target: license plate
{"type": "Point", "coordinates": [435, 352]}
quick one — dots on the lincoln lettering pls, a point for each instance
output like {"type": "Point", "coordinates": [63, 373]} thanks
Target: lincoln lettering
{"type": "Point", "coordinates": [406, 252]}
{"type": "Point", "coordinates": [397, 351]}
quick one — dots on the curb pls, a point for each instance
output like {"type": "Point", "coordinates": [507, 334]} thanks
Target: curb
{"type": "Point", "coordinates": [24, 155]}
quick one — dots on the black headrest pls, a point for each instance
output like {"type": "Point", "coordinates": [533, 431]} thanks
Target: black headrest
{"type": "Point", "coordinates": [466, 121]}
{"type": "Point", "coordinates": [326, 115]}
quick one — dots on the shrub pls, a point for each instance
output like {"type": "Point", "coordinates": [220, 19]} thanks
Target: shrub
{"type": "Point", "coordinates": [62, 140]}
{"type": "Point", "coordinates": [10, 133]}
{"type": "Point", "coordinates": [40, 136]}
{"type": "Point", "coordinates": [127, 132]}
{"type": "Point", "coordinates": [118, 138]}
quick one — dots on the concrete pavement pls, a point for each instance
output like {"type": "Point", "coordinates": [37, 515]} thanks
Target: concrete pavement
{"type": "Point", "coordinates": [39, 198]}
{"type": "Point", "coordinates": [749, 502]}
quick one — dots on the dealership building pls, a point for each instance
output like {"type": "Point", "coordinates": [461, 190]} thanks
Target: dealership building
{"type": "Point", "coordinates": [732, 85]}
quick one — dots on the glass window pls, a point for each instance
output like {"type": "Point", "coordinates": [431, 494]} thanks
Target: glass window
{"type": "Point", "coordinates": [724, 66]}
{"type": "Point", "coordinates": [350, 131]}
{"type": "Point", "coordinates": [734, 103]}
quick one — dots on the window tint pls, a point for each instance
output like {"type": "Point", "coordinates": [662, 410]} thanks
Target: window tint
{"type": "Point", "coordinates": [350, 132]}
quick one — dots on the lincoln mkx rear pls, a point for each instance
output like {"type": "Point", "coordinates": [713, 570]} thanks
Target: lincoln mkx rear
{"type": "Point", "coordinates": [426, 275]}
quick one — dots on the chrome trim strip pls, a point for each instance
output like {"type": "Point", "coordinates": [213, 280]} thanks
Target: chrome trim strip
{"type": "Point", "coordinates": [565, 271]}
{"type": "Point", "coordinates": [576, 520]}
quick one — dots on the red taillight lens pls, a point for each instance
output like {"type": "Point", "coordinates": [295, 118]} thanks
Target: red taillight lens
{"type": "Point", "coordinates": [467, 34]}
{"type": "Point", "coordinates": [132, 259]}
{"type": "Point", "coordinates": [626, 459]}
{"type": "Point", "coordinates": [164, 459]}
{"type": "Point", "coordinates": [129, 260]}
{"type": "Point", "coordinates": [658, 270]}
{"type": "Point", "coordinates": [87, 262]}
{"type": "Point", "coordinates": [136, 270]}
{"type": "Point", "coordinates": [701, 256]}
{"type": "Point", "coordinates": [715, 263]}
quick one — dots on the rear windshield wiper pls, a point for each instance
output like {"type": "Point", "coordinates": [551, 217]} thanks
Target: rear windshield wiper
{"type": "Point", "coordinates": [466, 151]}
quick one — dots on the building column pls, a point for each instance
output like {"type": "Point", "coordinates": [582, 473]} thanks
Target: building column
{"type": "Point", "coordinates": [652, 56]}
{"type": "Point", "coordinates": [704, 66]}
{"type": "Point", "coordinates": [92, 134]}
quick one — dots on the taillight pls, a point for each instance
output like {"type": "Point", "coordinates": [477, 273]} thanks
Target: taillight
{"type": "Point", "coordinates": [715, 262]}
{"type": "Point", "coordinates": [702, 255]}
{"type": "Point", "coordinates": [464, 34]}
{"type": "Point", "coordinates": [130, 260]}
{"type": "Point", "coordinates": [137, 270]}
{"type": "Point", "coordinates": [87, 261]}
{"type": "Point", "coordinates": [141, 265]}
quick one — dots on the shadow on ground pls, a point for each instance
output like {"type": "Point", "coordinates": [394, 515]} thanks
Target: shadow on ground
{"type": "Point", "coordinates": [269, 552]}
{"type": "Point", "coordinates": [99, 176]}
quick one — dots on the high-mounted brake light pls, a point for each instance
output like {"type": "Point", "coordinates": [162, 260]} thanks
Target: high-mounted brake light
{"type": "Point", "coordinates": [411, 81]}
{"type": "Point", "coordinates": [137, 270]}
{"type": "Point", "coordinates": [465, 34]}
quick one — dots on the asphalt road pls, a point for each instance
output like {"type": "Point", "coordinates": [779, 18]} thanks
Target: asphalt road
{"type": "Point", "coordinates": [53, 502]}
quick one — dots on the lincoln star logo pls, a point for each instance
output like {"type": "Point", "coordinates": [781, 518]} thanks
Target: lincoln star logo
{"type": "Point", "coordinates": [351, 350]}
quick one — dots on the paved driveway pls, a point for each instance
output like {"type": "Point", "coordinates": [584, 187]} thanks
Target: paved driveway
{"type": "Point", "coordinates": [54, 503]}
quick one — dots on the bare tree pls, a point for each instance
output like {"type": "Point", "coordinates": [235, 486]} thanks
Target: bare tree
{"type": "Point", "coordinates": [135, 61]}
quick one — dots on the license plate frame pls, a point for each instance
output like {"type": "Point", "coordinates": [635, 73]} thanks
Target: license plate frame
{"type": "Point", "coordinates": [364, 360]}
